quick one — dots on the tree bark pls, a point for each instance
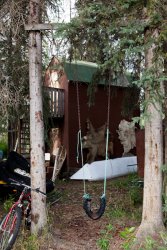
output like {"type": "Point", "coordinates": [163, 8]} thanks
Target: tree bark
{"type": "Point", "coordinates": [165, 134]}
{"type": "Point", "coordinates": [38, 174]}
{"type": "Point", "coordinates": [152, 222]}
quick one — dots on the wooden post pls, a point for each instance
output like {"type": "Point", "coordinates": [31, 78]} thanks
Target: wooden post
{"type": "Point", "coordinates": [38, 173]}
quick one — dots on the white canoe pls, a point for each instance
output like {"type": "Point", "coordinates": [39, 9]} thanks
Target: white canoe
{"type": "Point", "coordinates": [114, 168]}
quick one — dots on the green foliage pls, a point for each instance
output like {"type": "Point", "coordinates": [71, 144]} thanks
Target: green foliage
{"type": "Point", "coordinates": [116, 212]}
{"type": "Point", "coordinates": [150, 243]}
{"type": "Point", "coordinates": [129, 201]}
{"type": "Point", "coordinates": [27, 241]}
{"type": "Point", "coordinates": [164, 208]}
{"type": "Point", "coordinates": [141, 120]}
{"type": "Point", "coordinates": [106, 45]}
{"type": "Point", "coordinates": [158, 244]}
{"type": "Point", "coordinates": [136, 191]}
{"type": "Point", "coordinates": [8, 203]}
{"type": "Point", "coordinates": [13, 58]}
{"type": "Point", "coordinates": [120, 40]}
{"type": "Point", "coordinates": [32, 243]}
{"type": "Point", "coordinates": [126, 182]}
{"type": "Point", "coordinates": [164, 194]}
{"type": "Point", "coordinates": [4, 145]}
{"type": "Point", "coordinates": [106, 235]}
{"type": "Point", "coordinates": [164, 168]}
{"type": "Point", "coordinates": [136, 195]}
{"type": "Point", "coordinates": [128, 235]}
{"type": "Point", "coordinates": [164, 238]}
{"type": "Point", "coordinates": [14, 76]}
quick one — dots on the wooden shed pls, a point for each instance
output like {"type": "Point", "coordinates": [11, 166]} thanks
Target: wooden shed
{"type": "Point", "coordinates": [66, 75]}
{"type": "Point", "coordinates": [60, 104]}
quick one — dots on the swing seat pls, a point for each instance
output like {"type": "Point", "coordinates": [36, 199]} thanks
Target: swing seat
{"type": "Point", "coordinates": [87, 207]}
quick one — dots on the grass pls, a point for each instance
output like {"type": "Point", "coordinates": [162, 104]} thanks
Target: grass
{"type": "Point", "coordinates": [150, 243]}
{"type": "Point", "coordinates": [28, 241]}
{"type": "Point", "coordinates": [124, 211]}
{"type": "Point", "coordinates": [126, 198]}
{"type": "Point", "coordinates": [106, 235]}
{"type": "Point", "coordinates": [124, 202]}
{"type": "Point", "coordinates": [119, 222]}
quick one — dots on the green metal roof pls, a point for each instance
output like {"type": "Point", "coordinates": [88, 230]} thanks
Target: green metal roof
{"type": "Point", "coordinates": [83, 71]}
{"type": "Point", "coordinates": [80, 71]}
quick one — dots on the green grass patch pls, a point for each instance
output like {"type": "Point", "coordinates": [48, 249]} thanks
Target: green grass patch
{"type": "Point", "coordinates": [106, 235]}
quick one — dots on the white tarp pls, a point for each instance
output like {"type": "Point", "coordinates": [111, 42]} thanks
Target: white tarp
{"type": "Point", "coordinates": [114, 168]}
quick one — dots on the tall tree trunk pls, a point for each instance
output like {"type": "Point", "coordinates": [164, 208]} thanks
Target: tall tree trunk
{"type": "Point", "coordinates": [165, 135]}
{"type": "Point", "coordinates": [38, 175]}
{"type": "Point", "coordinates": [152, 222]}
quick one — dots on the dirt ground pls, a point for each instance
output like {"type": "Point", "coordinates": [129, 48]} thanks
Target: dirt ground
{"type": "Point", "coordinates": [71, 229]}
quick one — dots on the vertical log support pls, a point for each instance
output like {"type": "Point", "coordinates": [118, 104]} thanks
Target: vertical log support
{"type": "Point", "coordinates": [38, 175]}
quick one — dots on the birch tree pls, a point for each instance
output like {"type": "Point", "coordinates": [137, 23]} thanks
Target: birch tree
{"type": "Point", "coordinates": [152, 219]}
{"type": "Point", "coordinates": [38, 174]}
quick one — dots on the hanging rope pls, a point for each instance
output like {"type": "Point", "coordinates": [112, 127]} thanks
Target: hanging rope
{"type": "Point", "coordinates": [78, 107]}
{"type": "Point", "coordinates": [86, 197]}
{"type": "Point", "coordinates": [87, 200]}
{"type": "Point", "coordinates": [79, 143]}
{"type": "Point", "coordinates": [107, 133]}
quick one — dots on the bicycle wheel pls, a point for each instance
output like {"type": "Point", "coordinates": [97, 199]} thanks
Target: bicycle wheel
{"type": "Point", "coordinates": [9, 228]}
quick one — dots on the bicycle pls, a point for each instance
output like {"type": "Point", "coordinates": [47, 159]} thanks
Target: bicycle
{"type": "Point", "coordinates": [11, 222]}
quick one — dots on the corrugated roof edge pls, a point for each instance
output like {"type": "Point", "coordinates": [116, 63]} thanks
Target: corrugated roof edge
{"type": "Point", "coordinates": [77, 62]}
{"type": "Point", "coordinates": [83, 71]}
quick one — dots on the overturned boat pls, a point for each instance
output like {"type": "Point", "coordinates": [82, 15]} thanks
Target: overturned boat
{"type": "Point", "coordinates": [98, 170]}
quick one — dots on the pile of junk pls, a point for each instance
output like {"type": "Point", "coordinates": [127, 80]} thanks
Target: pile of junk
{"type": "Point", "coordinates": [17, 168]}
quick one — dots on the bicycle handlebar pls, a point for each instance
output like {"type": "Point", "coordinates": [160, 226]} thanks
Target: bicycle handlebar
{"type": "Point", "coordinates": [24, 185]}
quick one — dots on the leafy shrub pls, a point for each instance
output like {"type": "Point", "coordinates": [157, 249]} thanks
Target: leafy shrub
{"type": "Point", "coordinates": [4, 146]}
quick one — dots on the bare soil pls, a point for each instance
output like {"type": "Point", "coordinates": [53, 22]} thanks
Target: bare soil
{"type": "Point", "coordinates": [71, 229]}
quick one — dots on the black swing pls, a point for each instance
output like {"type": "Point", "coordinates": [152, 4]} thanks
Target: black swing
{"type": "Point", "coordinates": [94, 215]}
{"type": "Point", "coordinates": [87, 207]}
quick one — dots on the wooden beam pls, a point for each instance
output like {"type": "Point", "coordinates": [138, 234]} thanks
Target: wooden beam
{"type": "Point", "coordinates": [42, 26]}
